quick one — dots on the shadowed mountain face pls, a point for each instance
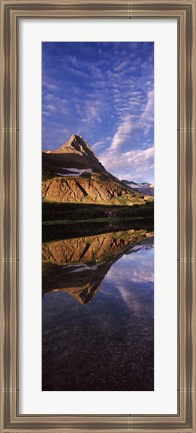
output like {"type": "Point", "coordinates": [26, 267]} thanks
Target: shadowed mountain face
{"type": "Point", "coordinates": [73, 174]}
{"type": "Point", "coordinates": [75, 151]}
{"type": "Point", "coordinates": [78, 266]}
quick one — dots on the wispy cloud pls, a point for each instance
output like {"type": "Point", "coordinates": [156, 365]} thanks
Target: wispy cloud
{"type": "Point", "coordinates": [134, 163]}
{"type": "Point", "coordinates": [122, 134]}
{"type": "Point", "coordinates": [98, 145]}
{"type": "Point", "coordinates": [147, 117]}
{"type": "Point", "coordinates": [102, 90]}
{"type": "Point", "coordinates": [55, 104]}
{"type": "Point", "coordinates": [121, 66]}
{"type": "Point", "coordinates": [49, 86]}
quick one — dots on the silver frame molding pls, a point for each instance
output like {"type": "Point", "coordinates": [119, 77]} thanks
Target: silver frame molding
{"type": "Point", "coordinates": [11, 12]}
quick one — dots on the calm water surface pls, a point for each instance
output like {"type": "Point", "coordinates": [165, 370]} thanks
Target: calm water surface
{"type": "Point", "coordinates": [98, 326]}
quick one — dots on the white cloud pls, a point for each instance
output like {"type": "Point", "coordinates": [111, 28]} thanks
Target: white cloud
{"type": "Point", "coordinates": [134, 164]}
{"type": "Point", "coordinates": [147, 116]}
{"type": "Point", "coordinates": [98, 145]}
{"type": "Point", "coordinates": [79, 73]}
{"type": "Point", "coordinates": [138, 157]}
{"type": "Point", "coordinates": [122, 134]}
{"type": "Point", "coordinates": [91, 112]}
{"type": "Point", "coordinates": [121, 66]}
{"type": "Point", "coordinates": [137, 163]}
{"type": "Point", "coordinates": [55, 104]}
{"type": "Point", "coordinates": [50, 86]}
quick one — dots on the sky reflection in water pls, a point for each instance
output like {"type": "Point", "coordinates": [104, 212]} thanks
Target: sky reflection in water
{"type": "Point", "coordinates": [133, 277]}
{"type": "Point", "coordinates": [108, 343]}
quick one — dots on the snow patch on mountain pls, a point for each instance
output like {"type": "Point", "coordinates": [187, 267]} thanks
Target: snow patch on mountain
{"type": "Point", "coordinates": [143, 187]}
{"type": "Point", "coordinates": [74, 172]}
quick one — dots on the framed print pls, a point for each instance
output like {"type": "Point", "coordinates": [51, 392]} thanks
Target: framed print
{"type": "Point", "coordinates": [98, 216]}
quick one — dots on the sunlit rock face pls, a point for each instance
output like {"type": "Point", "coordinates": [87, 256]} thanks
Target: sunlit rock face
{"type": "Point", "coordinates": [79, 265]}
{"type": "Point", "coordinates": [73, 174]}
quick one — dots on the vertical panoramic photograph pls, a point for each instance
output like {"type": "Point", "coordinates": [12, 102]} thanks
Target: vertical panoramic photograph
{"type": "Point", "coordinates": [97, 216]}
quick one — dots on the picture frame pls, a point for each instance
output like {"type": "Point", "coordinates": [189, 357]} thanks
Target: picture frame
{"type": "Point", "coordinates": [184, 12]}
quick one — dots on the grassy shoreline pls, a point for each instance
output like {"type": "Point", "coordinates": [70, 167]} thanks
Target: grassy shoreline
{"type": "Point", "coordinates": [67, 212]}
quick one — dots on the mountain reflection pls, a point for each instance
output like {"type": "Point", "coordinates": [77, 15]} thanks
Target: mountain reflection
{"type": "Point", "coordinates": [78, 266]}
{"type": "Point", "coordinates": [108, 344]}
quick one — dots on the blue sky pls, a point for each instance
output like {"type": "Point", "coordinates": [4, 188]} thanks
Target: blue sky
{"type": "Point", "coordinates": [103, 91]}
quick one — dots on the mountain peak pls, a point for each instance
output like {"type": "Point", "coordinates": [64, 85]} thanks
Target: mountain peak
{"type": "Point", "coordinates": [77, 144]}
{"type": "Point", "coordinates": [86, 180]}
{"type": "Point", "coordinates": [77, 153]}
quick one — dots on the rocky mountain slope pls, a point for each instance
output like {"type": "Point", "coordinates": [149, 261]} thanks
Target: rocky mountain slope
{"type": "Point", "coordinates": [73, 174]}
{"type": "Point", "coordinates": [143, 188]}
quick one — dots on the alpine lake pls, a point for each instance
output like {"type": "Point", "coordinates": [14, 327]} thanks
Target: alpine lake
{"type": "Point", "coordinates": [98, 306]}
